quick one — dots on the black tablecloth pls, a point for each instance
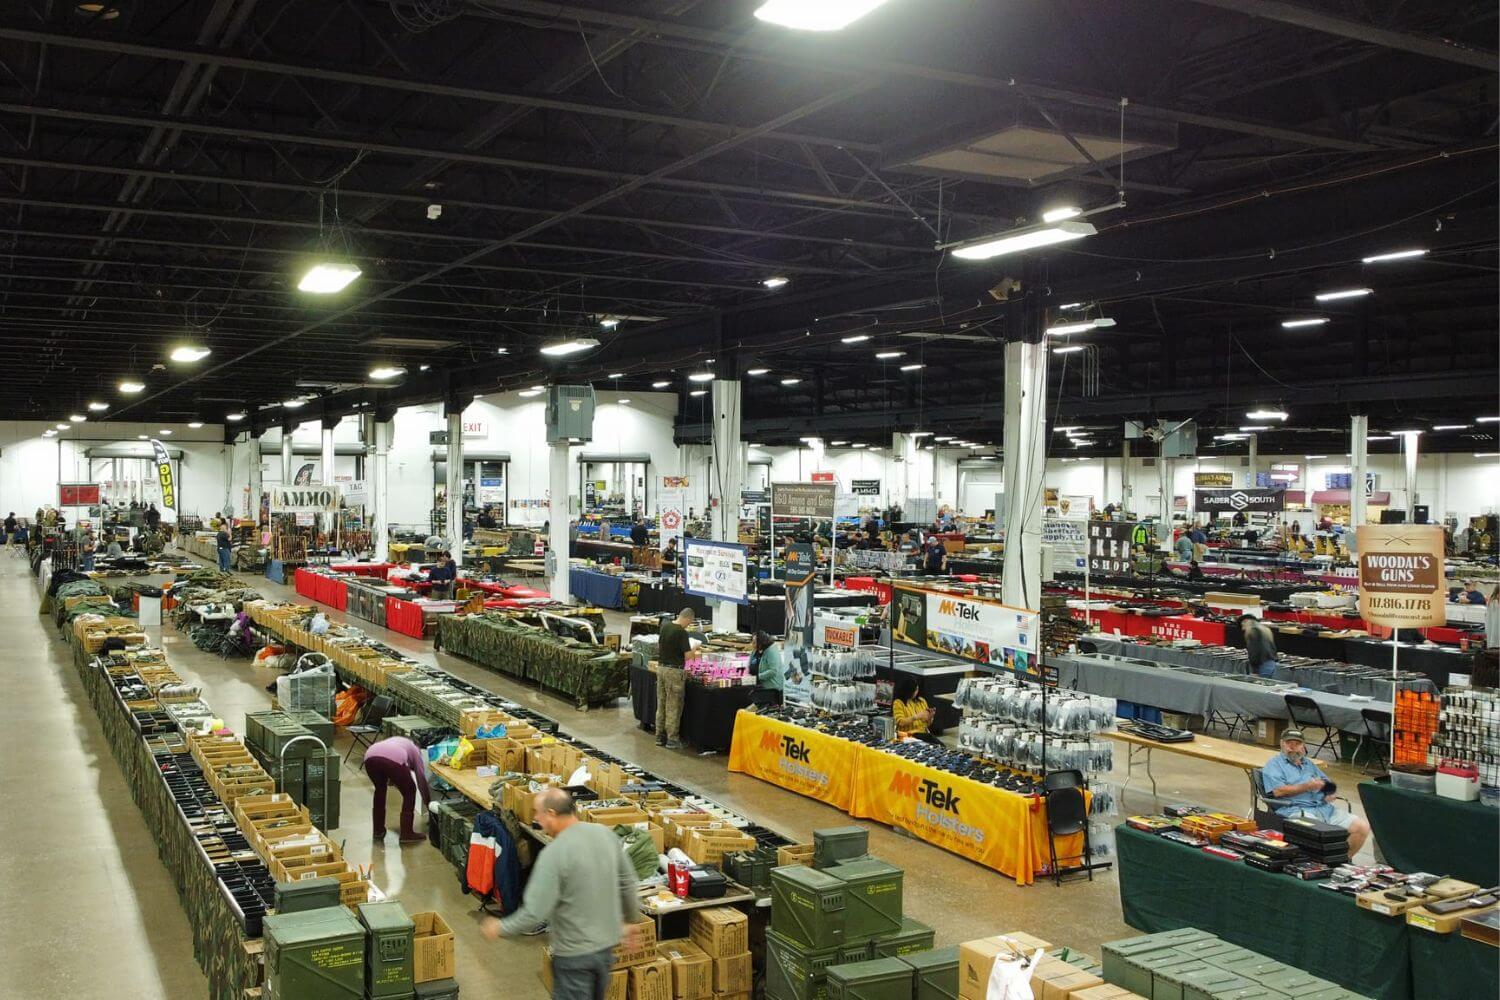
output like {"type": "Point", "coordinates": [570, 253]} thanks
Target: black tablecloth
{"type": "Point", "coordinates": [764, 613]}
{"type": "Point", "coordinates": [1271, 593]}
{"type": "Point", "coordinates": [1434, 662]}
{"type": "Point", "coordinates": [707, 713]}
{"type": "Point", "coordinates": [1418, 831]}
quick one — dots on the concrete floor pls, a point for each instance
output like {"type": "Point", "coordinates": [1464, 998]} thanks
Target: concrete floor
{"type": "Point", "coordinates": [88, 911]}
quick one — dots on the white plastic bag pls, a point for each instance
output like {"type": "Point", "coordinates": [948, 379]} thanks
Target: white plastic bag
{"type": "Point", "coordinates": [1010, 979]}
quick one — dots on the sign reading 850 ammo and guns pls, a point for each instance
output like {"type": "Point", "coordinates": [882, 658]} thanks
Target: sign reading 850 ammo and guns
{"type": "Point", "coordinates": [814, 500]}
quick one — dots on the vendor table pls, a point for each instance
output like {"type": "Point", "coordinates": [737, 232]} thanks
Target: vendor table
{"type": "Point", "coordinates": [1164, 886]}
{"type": "Point", "coordinates": [1000, 829]}
{"type": "Point", "coordinates": [322, 588]}
{"type": "Point", "coordinates": [1419, 831]}
{"type": "Point", "coordinates": [1451, 967]}
{"type": "Point", "coordinates": [1168, 626]}
{"type": "Point", "coordinates": [603, 590]}
{"type": "Point", "coordinates": [1246, 758]}
{"type": "Point", "coordinates": [708, 713]}
{"type": "Point", "coordinates": [1177, 690]}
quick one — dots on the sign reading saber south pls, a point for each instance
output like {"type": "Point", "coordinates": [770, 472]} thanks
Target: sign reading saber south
{"type": "Point", "coordinates": [1401, 575]}
{"type": "Point", "coordinates": [314, 498]}
{"type": "Point", "coordinates": [163, 463]}
{"type": "Point", "coordinates": [865, 487]}
{"type": "Point", "coordinates": [716, 570]}
{"type": "Point", "coordinates": [803, 499]}
{"type": "Point", "coordinates": [1231, 501]}
{"type": "Point", "coordinates": [1109, 546]}
{"type": "Point", "coordinates": [969, 628]}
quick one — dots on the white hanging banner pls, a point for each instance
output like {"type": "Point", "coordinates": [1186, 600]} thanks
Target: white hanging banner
{"type": "Point", "coordinates": [314, 498]}
{"type": "Point", "coordinates": [671, 505]}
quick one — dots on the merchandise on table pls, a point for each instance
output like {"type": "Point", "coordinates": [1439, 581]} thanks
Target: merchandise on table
{"type": "Point", "coordinates": [1469, 730]}
{"type": "Point", "coordinates": [590, 674]}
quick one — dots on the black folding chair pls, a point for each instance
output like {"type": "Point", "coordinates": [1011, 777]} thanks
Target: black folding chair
{"type": "Point", "coordinates": [1068, 815]}
{"type": "Point", "coordinates": [1308, 714]}
{"type": "Point", "coordinates": [365, 731]}
{"type": "Point", "coordinates": [1378, 732]}
{"type": "Point", "coordinates": [1266, 817]}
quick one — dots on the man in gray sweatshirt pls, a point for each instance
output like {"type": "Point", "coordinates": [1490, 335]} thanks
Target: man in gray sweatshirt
{"type": "Point", "coordinates": [1260, 645]}
{"type": "Point", "coordinates": [584, 891]}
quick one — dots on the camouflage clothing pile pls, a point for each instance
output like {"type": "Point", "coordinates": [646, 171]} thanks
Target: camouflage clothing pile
{"type": "Point", "coordinates": [587, 673]}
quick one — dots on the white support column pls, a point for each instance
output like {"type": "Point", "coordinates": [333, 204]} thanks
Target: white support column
{"type": "Point", "coordinates": [455, 487]}
{"type": "Point", "coordinates": [1409, 453]}
{"type": "Point", "coordinates": [1359, 432]}
{"type": "Point", "coordinates": [558, 517]}
{"type": "Point", "coordinates": [380, 528]}
{"type": "Point", "coordinates": [1025, 453]}
{"type": "Point", "coordinates": [252, 502]}
{"type": "Point", "coordinates": [1125, 475]}
{"type": "Point", "coordinates": [729, 467]}
{"type": "Point", "coordinates": [1254, 461]}
{"type": "Point", "coordinates": [286, 456]}
{"type": "Point", "coordinates": [329, 520]}
{"type": "Point", "coordinates": [1164, 482]}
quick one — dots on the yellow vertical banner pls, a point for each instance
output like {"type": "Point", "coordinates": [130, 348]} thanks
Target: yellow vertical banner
{"type": "Point", "coordinates": [797, 759]}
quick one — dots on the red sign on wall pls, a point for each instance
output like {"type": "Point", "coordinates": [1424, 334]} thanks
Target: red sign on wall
{"type": "Point", "coordinates": [77, 494]}
{"type": "Point", "coordinates": [822, 477]}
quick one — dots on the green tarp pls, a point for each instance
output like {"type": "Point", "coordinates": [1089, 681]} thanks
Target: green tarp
{"type": "Point", "coordinates": [1420, 832]}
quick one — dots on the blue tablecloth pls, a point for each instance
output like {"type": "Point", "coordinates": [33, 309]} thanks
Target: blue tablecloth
{"type": "Point", "coordinates": [603, 590]}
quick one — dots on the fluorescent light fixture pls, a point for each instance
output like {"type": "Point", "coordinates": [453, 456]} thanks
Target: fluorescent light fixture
{"type": "Point", "coordinates": [1266, 415]}
{"type": "Point", "coordinates": [529, 393]}
{"type": "Point", "coordinates": [609, 322]}
{"type": "Point", "coordinates": [1230, 437]}
{"type": "Point", "coordinates": [790, 381]}
{"type": "Point", "coordinates": [195, 424]}
{"type": "Point", "coordinates": [97, 406]}
{"type": "Point", "coordinates": [1486, 420]}
{"type": "Point", "coordinates": [1487, 454]}
{"type": "Point", "coordinates": [538, 388]}
{"type": "Point", "coordinates": [838, 444]}
{"type": "Point", "coordinates": [912, 368]}
{"type": "Point", "coordinates": [858, 338]}
{"type": "Point", "coordinates": [78, 418]}
{"type": "Point", "coordinates": [1451, 427]}
{"type": "Point", "coordinates": [660, 384]}
{"type": "Point", "coordinates": [623, 402]}
{"type": "Point", "coordinates": [1061, 212]}
{"type": "Point", "coordinates": [756, 371]}
{"type": "Point", "coordinates": [1297, 324]}
{"type": "Point", "coordinates": [1080, 442]}
{"type": "Point", "coordinates": [1255, 427]}
{"type": "Point", "coordinates": [327, 278]}
{"type": "Point", "coordinates": [616, 374]}
{"type": "Point", "coordinates": [1065, 430]}
{"type": "Point", "coordinates": [130, 387]}
{"type": "Point", "coordinates": [294, 404]}
{"type": "Point", "coordinates": [858, 444]}
{"type": "Point", "coordinates": [1381, 258]}
{"type": "Point", "coordinates": [701, 377]}
{"type": "Point", "coordinates": [810, 439]}
{"type": "Point", "coordinates": [423, 368]}
{"type": "Point", "coordinates": [943, 437]}
{"type": "Point", "coordinates": [188, 353]}
{"type": "Point", "coordinates": [774, 283]}
{"type": "Point", "coordinates": [1072, 305]}
{"type": "Point", "coordinates": [815, 15]}
{"type": "Point", "coordinates": [234, 418]}
{"type": "Point", "coordinates": [143, 437]}
{"type": "Point", "coordinates": [1067, 350]}
{"type": "Point", "coordinates": [164, 432]}
{"type": "Point", "coordinates": [1028, 238]}
{"type": "Point", "coordinates": [921, 434]}
{"type": "Point", "coordinates": [62, 427]}
{"type": "Point", "coordinates": [502, 350]}
{"type": "Point", "coordinates": [1379, 437]}
{"type": "Point", "coordinates": [888, 355]}
{"type": "Point", "coordinates": [1344, 293]}
{"type": "Point", "coordinates": [1311, 457]}
{"type": "Point", "coordinates": [1063, 329]}
{"type": "Point", "coordinates": [698, 392]}
{"type": "Point", "coordinates": [565, 347]}
{"type": "Point", "coordinates": [49, 433]}
{"type": "Point", "coordinates": [1409, 432]}
{"type": "Point", "coordinates": [383, 372]}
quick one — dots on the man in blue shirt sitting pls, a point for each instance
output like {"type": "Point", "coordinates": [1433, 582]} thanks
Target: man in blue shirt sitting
{"type": "Point", "coordinates": [1298, 787]}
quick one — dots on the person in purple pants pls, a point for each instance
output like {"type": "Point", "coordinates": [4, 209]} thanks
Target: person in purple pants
{"type": "Point", "coordinates": [398, 761]}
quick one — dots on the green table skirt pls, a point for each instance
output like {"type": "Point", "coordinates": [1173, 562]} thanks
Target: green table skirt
{"type": "Point", "coordinates": [1419, 832]}
{"type": "Point", "coordinates": [1164, 886]}
{"type": "Point", "coordinates": [1451, 967]}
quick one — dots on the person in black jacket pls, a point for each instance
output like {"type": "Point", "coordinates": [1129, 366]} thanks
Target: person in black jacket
{"type": "Point", "coordinates": [442, 576]}
{"type": "Point", "coordinates": [639, 534]}
{"type": "Point", "coordinates": [10, 528]}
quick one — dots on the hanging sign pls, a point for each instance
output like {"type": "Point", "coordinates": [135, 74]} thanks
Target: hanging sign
{"type": "Point", "coordinates": [491, 490]}
{"type": "Point", "coordinates": [674, 482]}
{"type": "Point", "coordinates": [1401, 575]}
{"type": "Point", "coordinates": [1109, 546]}
{"type": "Point", "coordinates": [969, 628]}
{"type": "Point", "coordinates": [77, 494]}
{"type": "Point", "coordinates": [865, 487]}
{"type": "Point", "coordinates": [823, 477]}
{"type": "Point", "coordinates": [1067, 540]}
{"type": "Point", "coordinates": [305, 520]}
{"type": "Point", "coordinates": [164, 480]}
{"type": "Point", "coordinates": [801, 569]}
{"type": "Point", "coordinates": [671, 505]}
{"type": "Point", "coordinates": [304, 475]}
{"type": "Point", "coordinates": [716, 570]}
{"type": "Point", "coordinates": [814, 500]}
{"type": "Point", "coordinates": [314, 498]}
{"type": "Point", "coordinates": [356, 492]}
{"type": "Point", "coordinates": [475, 429]}
{"type": "Point", "coordinates": [1231, 501]}
{"type": "Point", "coordinates": [1213, 479]}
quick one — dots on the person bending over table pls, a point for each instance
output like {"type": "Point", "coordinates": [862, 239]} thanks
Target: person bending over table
{"type": "Point", "coordinates": [909, 709]}
{"type": "Point", "coordinates": [1260, 646]}
{"type": "Point", "coordinates": [1298, 787]}
{"type": "Point", "coordinates": [398, 761]}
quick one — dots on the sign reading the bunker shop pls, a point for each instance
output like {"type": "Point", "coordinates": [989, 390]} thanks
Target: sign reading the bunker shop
{"type": "Point", "coordinates": [1256, 500]}
{"type": "Point", "coordinates": [314, 498]}
{"type": "Point", "coordinates": [803, 499]}
{"type": "Point", "coordinates": [1401, 575]}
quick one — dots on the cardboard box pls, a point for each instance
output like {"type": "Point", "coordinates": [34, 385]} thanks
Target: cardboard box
{"type": "Point", "coordinates": [1107, 991]}
{"type": "Point", "coordinates": [644, 952]}
{"type": "Point", "coordinates": [1268, 732]}
{"type": "Point", "coordinates": [720, 931]}
{"type": "Point", "coordinates": [432, 948]}
{"type": "Point", "coordinates": [977, 958]}
{"type": "Point", "coordinates": [733, 974]}
{"type": "Point", "coordinates": [1066, 987]}
{"type": "Point", "coordinates": [794, 854]}
{"type": "Point", "coordinates": [619, 984]}
{"type": "Point", "coordinates": [650, 980]}
{"type": "Point", "coordinates": [1376, 902]}
{"type": "Point", "coordinates": [692, 969]}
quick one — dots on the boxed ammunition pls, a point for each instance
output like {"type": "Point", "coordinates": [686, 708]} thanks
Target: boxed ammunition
{"type": "Point", "coordinates": [1295, 983]}
{"type": "Point", "coordinates": [1166, 976]}
{"type": "Point", "coordinates": [1255, 968]}
{"type": "Point", "coordinates": [432, 948]}
{"type": "Point", "coordinates": [306, 894]}
{"type": "Point", "coordinates": [794, 854]}
{"type": "Point", "coordinates": [447, 989]}
{"type": "Point", "coordinates": [1213, 951]}
{"type": "Point", "coordinates": [720, 930]}
{"type": "Point", "coordinates": [388, 950]}
{"type": "Point", "coordinates": [838, 844]}
{"type": "Point", "coordinates": [1206, 983]}
{"type": "Point", "coordinates": [856, 951]}
{"type": "Point", "coordinates": [935, 974]}
{"type": "Point", "coordinates": [807, 908]}
{"type": "Point", "coordinates": [646, 933]}
{"type": "Point", "coordinates": [977, 958]}
{"type": "Point", "coordinates": [650, 980]}
{"type": "Point", "coordinates": [912, 937]}
{"type": "Point", "coordinates": [1129, 962]}
{"type": "Point", "coordinates": [877, 979]}
{"type": "Point", "coordinates": [692, 969]}
{"type": "Point", "coordinates": [316, 953]}
{"type": "Point", "coordinates": [872, 897]}
{"type": "Point", "coordinates": [1066, 986]}
{"type": "Point", "coordinates": [795, 973]}
{"type": "Point", "coordinates": [732, 973]}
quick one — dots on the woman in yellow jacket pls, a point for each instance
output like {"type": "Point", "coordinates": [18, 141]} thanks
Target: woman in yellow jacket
{"type": "Point", "coordinates": [909, 708]}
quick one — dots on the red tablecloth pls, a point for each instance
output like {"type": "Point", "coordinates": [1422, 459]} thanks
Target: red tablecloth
{"type": "Point", "coordinates": [867, 584]}
{"type": "Point", "coordinates": [1171, 626]}
{"type": "Point", "coordinates": [404, 617]}
{"type": "Point", "coordinates": [323, 589]}
{"type": "Point", "coordinates": [377, 570]}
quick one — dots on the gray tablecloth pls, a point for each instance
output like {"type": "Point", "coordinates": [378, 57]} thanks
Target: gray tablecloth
{"type": "Point", "coordinates": [1178, 690]}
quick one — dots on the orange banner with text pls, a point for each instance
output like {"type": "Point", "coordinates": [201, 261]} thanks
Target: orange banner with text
{"type": "Point", "coordinates": [799, 760]}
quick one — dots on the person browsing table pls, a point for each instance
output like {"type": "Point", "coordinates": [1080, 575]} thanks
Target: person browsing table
{"type": "Point", "coordinates": [1260, 646]}
{"type": "Point", "coordinates": [671, 677]}
{"type": "Point", "coordinates": [1298, 787]}
{"type": "Point", "coordinates": [398, 761]}
{"type": "Point", "coordinates": [442, 576]}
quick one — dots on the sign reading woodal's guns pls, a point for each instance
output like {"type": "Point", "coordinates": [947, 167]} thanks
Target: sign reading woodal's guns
{"type": "Point", "coordinates": [314, 498]}
{"type": "Point", "coordinates": [803, 499]}
{"type": "Point", "coordinates": [1231, 501]}
{"type": "Point", "coordinates": [1401, 575]}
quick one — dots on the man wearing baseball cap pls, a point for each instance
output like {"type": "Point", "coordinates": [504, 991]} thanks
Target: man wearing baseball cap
{"type": "Point", "coordinates": [1298, 787]}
